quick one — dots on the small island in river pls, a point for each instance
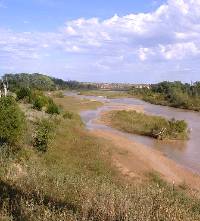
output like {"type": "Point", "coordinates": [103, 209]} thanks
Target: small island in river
{"type": "Point", "coordinates": [157, 127]}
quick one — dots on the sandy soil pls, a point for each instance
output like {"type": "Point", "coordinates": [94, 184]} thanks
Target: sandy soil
{"type": "Point", "coordinates": [135, 160]}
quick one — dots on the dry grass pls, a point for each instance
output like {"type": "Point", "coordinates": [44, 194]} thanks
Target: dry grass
{"type": "Point", "coordinates": [75, 181]}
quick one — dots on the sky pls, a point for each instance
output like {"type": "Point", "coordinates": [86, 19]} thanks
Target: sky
{"type": "Point", "coordinates": [144, 41]}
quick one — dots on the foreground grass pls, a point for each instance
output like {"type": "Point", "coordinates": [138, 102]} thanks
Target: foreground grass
{"type": "Point", "coordinates": [75, 180]}
{"type": "Point", "coordinates": [147, 125]}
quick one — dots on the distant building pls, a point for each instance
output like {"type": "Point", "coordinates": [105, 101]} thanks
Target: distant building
{"type": "Point", "coordinates": [116, 86]}
{"type": "Point", "coordinates": [142, 86]}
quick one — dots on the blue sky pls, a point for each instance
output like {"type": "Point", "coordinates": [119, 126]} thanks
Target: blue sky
{"type": "Point", "coordinates": [99, 40]}
{"type": "Point", "coordinates": [45, 15]}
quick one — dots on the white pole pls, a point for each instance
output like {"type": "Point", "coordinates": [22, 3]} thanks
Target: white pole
{"type": "Point", "coordinates": [5, 89]}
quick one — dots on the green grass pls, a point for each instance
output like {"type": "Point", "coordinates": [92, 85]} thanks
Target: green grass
{"type": "Point", "coordinates": [75, 104]}
{"type": "Point", "coordinates": [75, 180]}
{"type": "Point", "coordinates": [105, 93]}
{"type": "Point", "coordinates": [147, 125]}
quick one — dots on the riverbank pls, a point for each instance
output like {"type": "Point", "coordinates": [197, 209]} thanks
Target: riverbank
{"type": "Point", "coordinates": [94, 187]}
{"type": "Point", "coordinates": [135, 160]}
{"type": "Point", "coordinates": [172, 94]}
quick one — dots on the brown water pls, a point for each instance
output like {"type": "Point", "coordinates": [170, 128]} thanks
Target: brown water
{"type": "Point", "coordinates": [186, 153]}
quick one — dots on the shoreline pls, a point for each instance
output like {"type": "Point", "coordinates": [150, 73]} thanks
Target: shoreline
{"type": "Point", "coordinates": [135, 160]}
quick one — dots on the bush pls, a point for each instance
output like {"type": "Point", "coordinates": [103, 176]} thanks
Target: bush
{"type": "Point", "coordinates": [43, 134]}
{"type": "Point", "coordinates": [39, 102]}
{"type": "Point", "coordinates": [12, 121]}
{"type": "Point", "coordinates": [52, 108]}
{"type": "Point", "coordinates": [23, 92]}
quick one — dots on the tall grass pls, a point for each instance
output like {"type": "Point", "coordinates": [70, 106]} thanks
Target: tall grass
{"type": "Point", "coordinates": [148, 125]}
{"type": "Point", "coordinates": [75, 180]}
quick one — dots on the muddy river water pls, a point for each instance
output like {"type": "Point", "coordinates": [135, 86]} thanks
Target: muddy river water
{"type": "Point", "coordinates": [186, 153]}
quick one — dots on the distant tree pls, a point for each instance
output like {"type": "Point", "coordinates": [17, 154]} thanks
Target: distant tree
{"type": "Point", "coordinates": [35, 81]}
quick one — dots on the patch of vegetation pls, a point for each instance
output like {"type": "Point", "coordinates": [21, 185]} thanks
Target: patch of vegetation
{"type": "Point", "coordinates": [59, 94]}
{"type": "Point", "coordinates": [175, 94]}
{"type": "Point", "coordinates": [43, 134]}
{"type": "Point", "coordinates": [39, 102]}
{"type": "Point", "coordinates": [75, 104]}
{"type": "Point", "coordinates": [12, 121]}
{"type": "Point", "coordinates": [23, 93]}
{"type": "Point", "coordinates": [38, 99]}
{"type": "Point", "coordinates": [68, 115]}
{"type": "Point", "coordinates": [52, 108]}
{"type": "Point", "coordinates": [105, 93]}
{"type": "Point", "coordinates": [147, 125]}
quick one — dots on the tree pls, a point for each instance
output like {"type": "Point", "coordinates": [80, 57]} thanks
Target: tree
{"type": "Point", "coordinates": [12, 121]}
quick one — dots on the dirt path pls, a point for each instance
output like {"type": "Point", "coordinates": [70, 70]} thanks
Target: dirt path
{"type": "Point", "coordinates": [135, 160]}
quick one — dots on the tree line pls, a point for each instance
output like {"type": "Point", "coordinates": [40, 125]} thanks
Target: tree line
{"type": "Point", "coordinates": [175, 94]}
{"type": "Point", "coordinates": [42, 82]}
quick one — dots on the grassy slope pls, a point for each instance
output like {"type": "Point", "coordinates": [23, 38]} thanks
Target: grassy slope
{"type": "Point", "coordinates": [147, 125]}
{"type": "Point", "coordinates": [75, 180]}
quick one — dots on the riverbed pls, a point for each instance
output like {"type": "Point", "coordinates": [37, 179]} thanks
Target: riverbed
{"type": "Point", "coordinates": [186, 153]}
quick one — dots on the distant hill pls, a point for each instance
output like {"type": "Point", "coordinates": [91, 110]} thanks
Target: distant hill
{"type": "Point", "coordinates": [41, 82]}
{"type": "Point", "coordinates": [37, 81]}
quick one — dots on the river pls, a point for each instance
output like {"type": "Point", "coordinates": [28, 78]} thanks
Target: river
{"type": "Point", "coordinates": [186, 153]}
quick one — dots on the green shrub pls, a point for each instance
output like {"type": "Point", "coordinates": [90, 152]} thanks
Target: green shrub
{"type": "Point", "coordinates": [12, 121]}
{"type": "Point", "coordinates": [52, 108]}
{"type": "Point", "coordinates": [35, 94]}
{"type": "Point", "coordinates": [43, 134]}
{"type": "Point", "coordinates": [39, 102]}
{"type": "Point", "coordinates": [23, 92]}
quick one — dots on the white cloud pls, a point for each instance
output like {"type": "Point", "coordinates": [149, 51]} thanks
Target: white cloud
{"type": "Point", "coordinates": [170, 33]}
